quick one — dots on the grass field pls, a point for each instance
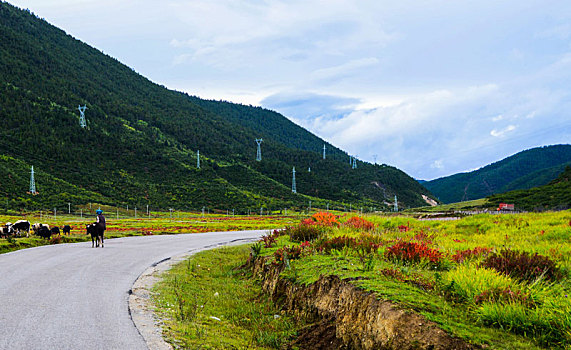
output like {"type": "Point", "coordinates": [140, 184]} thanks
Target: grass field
{"type": "Point", "coordinates": [500, 281]}
{"type": "Point", "coordinates": [126, 224]}
{"type": "Point", "coordinates": [206, 303]}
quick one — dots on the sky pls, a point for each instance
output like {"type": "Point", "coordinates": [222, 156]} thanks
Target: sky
{"type": "Point", "coordinates": [433, 87]}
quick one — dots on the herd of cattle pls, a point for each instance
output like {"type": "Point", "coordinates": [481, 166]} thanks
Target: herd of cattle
{"type": "Point", "coordinates": [23, 226]}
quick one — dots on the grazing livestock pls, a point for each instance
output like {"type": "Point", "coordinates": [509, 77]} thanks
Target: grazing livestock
{"type": "Point", "coordinates": [44, 232]}
{"type": "Point", "coordinates": [55, 230]}
{"type": "Point", "coordinates": [22, 225]}
{"type": "Point", "coordinates": [7, 230]}
{"type": "Point", "coordinates": [66, 230]}
{"type": "Point", "coordinates": [37, 225]}
{"type": "Point", "coordinates": [96, 235]}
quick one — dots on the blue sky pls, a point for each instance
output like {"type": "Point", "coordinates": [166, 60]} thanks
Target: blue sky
{"type": "Point", "coordinates": [432, 87]}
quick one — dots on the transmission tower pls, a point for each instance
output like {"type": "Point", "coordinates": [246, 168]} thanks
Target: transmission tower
{"type": "Point", "coordinates": [259, 153]}
{"type": "Point", "coordinates": [198, 159]}
{"type": "Point", "coordinates": [293, 188]}
{"type": "Point", "coordinates": [323, 151]}
{"type": "Point", "coordinates": [396, 204]}
{"type": "Point", "coordinates": [82, 121]}
{"type": "Point", "coordinates": [32, 182]}
{"type": "Point", "coordinates": [374, 158]}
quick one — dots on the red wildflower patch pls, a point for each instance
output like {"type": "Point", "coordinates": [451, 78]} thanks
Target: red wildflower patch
{"type": "Point", "coordinates": [462, 255]}
{"type": "Point", "coordinates": [325, 219]}
{"type": "Point", "coordinates": [359, 223]}
{"type": "Point", "coordinates": [412, 252]}
{"type": "Point", "coordinates": [403, 228]}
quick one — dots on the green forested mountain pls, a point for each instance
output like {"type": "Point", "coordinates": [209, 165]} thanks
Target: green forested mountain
{"type": "Point", "coordinates": [524, 170]}
{"type": "Point", "coordinates": [555, 195]}
{"type": "Point", "coordinates": [141, 139]}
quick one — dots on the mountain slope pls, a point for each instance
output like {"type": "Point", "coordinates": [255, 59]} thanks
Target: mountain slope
{"type": "Point", "coordinates": [141, 141]}
{"type": "Point", "coordinates": [555, 195]}
{"type": "Point", "coordinates": [526, 169]}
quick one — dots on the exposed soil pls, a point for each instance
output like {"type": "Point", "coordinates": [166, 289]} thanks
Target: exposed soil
{"type": "Point", "coordinates": [346, 317]}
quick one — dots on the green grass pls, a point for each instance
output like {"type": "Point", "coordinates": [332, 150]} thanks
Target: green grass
{"type": "Point", "coordinates": [125, 224]}
{"type": "Point", "coordinates": [208, 303]}
{"type": "Point", "coordinates": [478, 304]}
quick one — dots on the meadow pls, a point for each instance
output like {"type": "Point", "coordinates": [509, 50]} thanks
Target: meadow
{"type": "Point", "coordinates": [498, 281]}
{"type": "Point", "coordinates": [123, 223]}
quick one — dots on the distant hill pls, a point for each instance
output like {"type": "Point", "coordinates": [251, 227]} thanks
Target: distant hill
{"type": "Point", "coordinates": [554, 196]}
{"type": "Point", "coordinates": [524, 170]}
{"type": "Point", "coordinates": [141, 141]}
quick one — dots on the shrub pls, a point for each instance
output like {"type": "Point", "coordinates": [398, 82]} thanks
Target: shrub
{"type": "Point", "coordinates": [268, 240]}
{"type": "Point", "coordinates": [412, 252]}
{"type": "Point", "coordinates": [337, 243]}
{"type": "Point", "coordinates": [359, 223]}
{"type": "Point", "coordinates": [523, 265]}
{"type": "Point", "coordinates": [286, 253]}
{"type": "Point", "coordinates": [302, 233]}
{"type": "Point", "coordinates": [466, 282]}
{"type": "Point", "coordinates": [325, 219]}
{"type": "Point", "coordinates": [462, 255]}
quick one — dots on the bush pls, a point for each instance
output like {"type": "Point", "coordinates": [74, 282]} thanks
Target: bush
{"type": "Point", "coordinates": [523, 265]}
{"type": "Point", "coordinates": [325, 219]}
{"type": "Point", "coordinates": [302, 233]}
{"type": "Point", "coordinates": [284, 254]}
{"type": "Point", "coordinates": [412, 252]}
{"type": "Point", "coordinates": [466, 282]}
{"type": "Point", "coordinates": [462, 255]}
{"type": "Point", "coordinates": [359, 223]}
{"type": "Point", "coordinates": [337, 243]}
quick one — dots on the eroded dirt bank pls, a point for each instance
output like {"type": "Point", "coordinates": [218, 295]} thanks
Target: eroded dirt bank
{"type": "Point", "coordinates": [345, 317]}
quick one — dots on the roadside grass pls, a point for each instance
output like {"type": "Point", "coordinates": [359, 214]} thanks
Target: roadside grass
{"type": "Point", "coordinates": [157, 223]}
{"type": "Point", "coordinates": [449, 284]}
{"type": "Point", "coordinates": [207, 302]}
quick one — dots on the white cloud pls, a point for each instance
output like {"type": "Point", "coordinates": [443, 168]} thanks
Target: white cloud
{"type": "Point", "coordinates": [421, 84]}
{"type": "Point", "coordinates": [501, 133]}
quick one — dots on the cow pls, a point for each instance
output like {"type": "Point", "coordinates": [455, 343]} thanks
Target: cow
{"type": "Point", "coordinates": [66, 230]}
{"type": "Point", "coordinates": [37, 225]}
{"type": "Point", "coordinates": [7, 230]}
{"type": "Point", "coordinates": [44, 232]}
{"type": "Point", "coordinates": [55, 230]}
{"type": "Point", "coordinates": [22, 225]}
{"type": "Point", "coordinates": [96, 235]}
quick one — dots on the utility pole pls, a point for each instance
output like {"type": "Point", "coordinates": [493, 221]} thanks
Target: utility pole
{"type": "Point", "coordinates": [69, 208]}
{"type": "Point", "coordinates": [198, 159]}
{"type": "Point", "coordinates": [323, 151]}
{"type": "Point", "coordinates": [396, 204]}
{"type": "Point", "coordinates": [82, 121]}
{"type": "Point", "coordinates": [293, 188]}
{"type": "Point", "coordinates": [259, 151]}
{"type": "Point", "coordinates": [32, 182]}
{"type": "Point", "coordinates": [354, 166]}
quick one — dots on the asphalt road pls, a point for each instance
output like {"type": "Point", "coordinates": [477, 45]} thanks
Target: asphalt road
{"type": "Point", "coordinates": [72, 296]}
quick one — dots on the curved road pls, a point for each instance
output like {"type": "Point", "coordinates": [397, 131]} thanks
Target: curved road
{"type": "Point", "coordinates": [72, 296]}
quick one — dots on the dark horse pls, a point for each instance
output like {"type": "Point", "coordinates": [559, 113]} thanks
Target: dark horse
{"type": "Point", "coordinates": [96, 235]}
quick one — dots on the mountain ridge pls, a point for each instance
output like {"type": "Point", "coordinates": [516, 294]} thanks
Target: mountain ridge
{"type": "Point", "coordinates": [141, 139]}
{"type": "Point", "coordinates": [523, 170]}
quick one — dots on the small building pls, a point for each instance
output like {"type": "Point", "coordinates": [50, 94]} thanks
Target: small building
{"type": "Point", "coordinates": [505, 206]}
